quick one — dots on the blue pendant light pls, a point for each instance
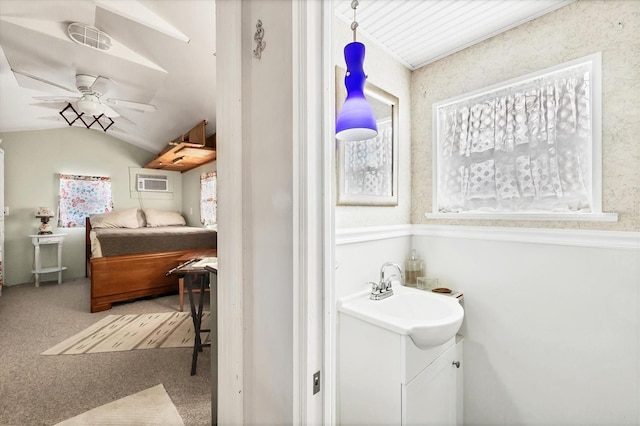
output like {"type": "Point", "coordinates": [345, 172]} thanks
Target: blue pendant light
{"type": "Point", "coordinates": [355, 121]}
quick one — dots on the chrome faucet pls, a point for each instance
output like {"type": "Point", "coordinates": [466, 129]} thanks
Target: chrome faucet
{"type": "Point", "coordinates": [383, 289]}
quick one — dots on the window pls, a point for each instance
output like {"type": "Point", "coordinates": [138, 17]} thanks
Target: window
{"type": "Point", "coordinates": [530, 145]}
{"type": "Point", "coordinates": [208, 199]}
{"type": "Point", "coordinates": [81, 196]}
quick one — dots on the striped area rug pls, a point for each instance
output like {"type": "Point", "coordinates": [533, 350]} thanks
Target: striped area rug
{"type": "Point", "coordinates": [126, 332]}
{"type": "Point", "coordinates": [152, 406]}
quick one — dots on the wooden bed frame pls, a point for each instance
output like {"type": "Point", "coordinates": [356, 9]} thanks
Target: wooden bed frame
{"type": "Point", "coordinates": [121, 278]}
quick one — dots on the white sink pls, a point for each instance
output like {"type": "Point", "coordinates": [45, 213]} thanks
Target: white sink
{"type": "Point", "coordinates": [430, 319]}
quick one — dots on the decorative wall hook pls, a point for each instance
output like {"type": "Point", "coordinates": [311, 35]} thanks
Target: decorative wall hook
{"type": "Point", "coordinates": [257, 37]}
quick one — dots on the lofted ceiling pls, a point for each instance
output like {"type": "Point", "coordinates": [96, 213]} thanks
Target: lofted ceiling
{"type": "Point", "coordinates": [164, 53]}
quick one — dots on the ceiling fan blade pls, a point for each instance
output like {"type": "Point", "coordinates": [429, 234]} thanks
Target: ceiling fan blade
{"type": "Point", "coordinates": [131, 105]}
{"type": "Point", "coordinates": [122, 120]}
{"type": "Point", "coordinates": [102, 85]}
{"type": "Point", "coordinates": [108, 111]}
{"type": "Point", "coordinates": [42, 80]}
{"type": "Point", "coordinates": [54, 106]}
{"type": "Point", "coordinates": [56, 98]}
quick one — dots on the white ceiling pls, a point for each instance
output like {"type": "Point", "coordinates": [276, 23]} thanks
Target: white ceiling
{"type": "Point", "coordinates": [152, 62]}
{"type": "Point", "coordinates": [418, 32]}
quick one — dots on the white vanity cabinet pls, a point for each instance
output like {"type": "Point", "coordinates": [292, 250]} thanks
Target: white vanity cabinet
{"type": "Point", "coordinates": [434, 396]}
{"type": "Point", "coordinates": [385, 379]}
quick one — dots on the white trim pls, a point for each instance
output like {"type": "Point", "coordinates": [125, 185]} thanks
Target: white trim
{"type": "Point", "coordinates": [625, 240]}
{"type": "Point", "coordinates": [308, 213]}
{"type": "Point", "coordinates": [230, 368]}
{"type": "Point", "coordinates": [596, 131]}
{"type": "Point", "coordinates": [585, 217]}
{"type": "Point", "coordinates": [299, 101]}
{"type": "Point", "coordinates": [329, 374]}
{"type": "Point", "coordinates": [360, 235]}
{"type": "Point", "coordinates": [564, 237]}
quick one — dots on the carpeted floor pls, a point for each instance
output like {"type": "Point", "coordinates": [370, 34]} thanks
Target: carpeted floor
{"type": "Point", "coordinates": [44, 390]}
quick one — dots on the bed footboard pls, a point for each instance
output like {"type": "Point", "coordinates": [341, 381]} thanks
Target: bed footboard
{"type": "Point", "coordinates": [121, 278]}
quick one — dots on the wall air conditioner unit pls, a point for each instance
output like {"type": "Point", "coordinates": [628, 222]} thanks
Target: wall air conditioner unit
{"type": "Point", "coordinates": [153, 183]}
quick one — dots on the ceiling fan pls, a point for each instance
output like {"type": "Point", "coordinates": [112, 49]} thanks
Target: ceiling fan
{"type": "Point", "coordinates": [90, 98]}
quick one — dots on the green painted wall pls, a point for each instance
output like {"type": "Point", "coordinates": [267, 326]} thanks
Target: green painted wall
{"type": "Point", "coordinates": [33, 160]}
{"type": "Point", "coordinates": [191, 193]}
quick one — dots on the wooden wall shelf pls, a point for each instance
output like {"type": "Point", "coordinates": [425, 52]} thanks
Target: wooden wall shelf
{"type": "Point", "coordinates": [188, 151]}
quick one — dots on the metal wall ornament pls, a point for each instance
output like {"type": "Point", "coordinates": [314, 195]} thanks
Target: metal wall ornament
{"type": "Point", "coordinates": [257, 37]}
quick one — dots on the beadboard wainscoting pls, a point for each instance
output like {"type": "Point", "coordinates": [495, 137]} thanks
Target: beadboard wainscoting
{"type": "Point", "coordinates": [360, 252]}
{"type": "Point", "coordinates": [552, 316]}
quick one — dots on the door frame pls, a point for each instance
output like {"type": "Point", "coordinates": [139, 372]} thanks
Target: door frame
{"type": "Point", "coordinates": [227, 390]}
{"type": "Point", "coordinates": [313, 207]}
{"type": "Point", "coordinates": [313, 212]}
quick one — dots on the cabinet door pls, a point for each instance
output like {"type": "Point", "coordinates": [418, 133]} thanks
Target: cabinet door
{"type": "Point", "coordinates": [430, 398]}
{"type": "Point", "coordinates": [459, 382]}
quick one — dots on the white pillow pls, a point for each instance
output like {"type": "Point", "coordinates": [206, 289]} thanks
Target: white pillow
{"type": "Point", "coordinates": [127, 218]}
{"type": "Point", "coordinates": [142, 221]}
{"type": "Point", "coordinates": [163, 218]}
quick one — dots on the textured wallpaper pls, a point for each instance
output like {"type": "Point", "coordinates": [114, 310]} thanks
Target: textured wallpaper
{"type": "Point", "coordinates": [579, 29]}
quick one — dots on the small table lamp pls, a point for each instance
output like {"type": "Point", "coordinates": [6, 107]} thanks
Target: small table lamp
{"type": "Point", "coordinates": [45, 213]}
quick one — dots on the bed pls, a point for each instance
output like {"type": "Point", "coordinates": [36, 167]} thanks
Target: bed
{"type": "Point", "coordinates": [128, 253]}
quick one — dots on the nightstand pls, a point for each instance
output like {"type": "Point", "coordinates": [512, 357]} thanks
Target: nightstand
{"type": "Point", "coordinates": [47, 239]}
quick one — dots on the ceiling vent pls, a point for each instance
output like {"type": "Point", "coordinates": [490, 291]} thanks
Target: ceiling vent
{"type": "Point", "coordinates": [89, 36]}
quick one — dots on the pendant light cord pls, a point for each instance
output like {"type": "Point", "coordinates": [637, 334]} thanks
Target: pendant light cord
{"type": "Point", "coordinates": [354, 24]}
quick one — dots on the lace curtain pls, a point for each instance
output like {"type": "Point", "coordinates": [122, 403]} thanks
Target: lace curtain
{"type": "Point", "coordinates": [369, 163]}
{"type": "Point", "coordinates": [81, 196]}
{"type": "Point", "coordinates": [526, 147]}
{"type": "Point", "coordinates": [208, 198]}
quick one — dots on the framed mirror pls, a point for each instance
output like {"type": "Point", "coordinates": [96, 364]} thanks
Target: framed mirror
{"type": "Point", "coordinates": [367, 171]}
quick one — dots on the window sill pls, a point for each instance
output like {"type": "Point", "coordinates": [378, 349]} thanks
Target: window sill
{"type": "Point", "coordinates": [584, 217]}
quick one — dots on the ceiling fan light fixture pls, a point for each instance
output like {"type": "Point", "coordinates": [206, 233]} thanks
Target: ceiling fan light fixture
{"type": "Point", "coordinates": [103, 121]}
{"type": "Point", "coordinates": [89, 105]}
{"type": "Point", "coordinates": [87, 35]}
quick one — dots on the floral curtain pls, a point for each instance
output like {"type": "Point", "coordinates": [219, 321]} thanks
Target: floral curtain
{"type": "Point", "coordinates": [81, 196]}
{"type": "Point", "coordinates": [523, 148]}
{"type": "Point", "coordinates": [208, 198]}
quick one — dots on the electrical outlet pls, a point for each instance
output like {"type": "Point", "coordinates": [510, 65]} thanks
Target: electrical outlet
{"type": "Point", "coordinates": [6, 211]}
{"type": "Point", "coordinates": [190, 210]}
{"type": "Point", "coordinates": [316, 382]}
